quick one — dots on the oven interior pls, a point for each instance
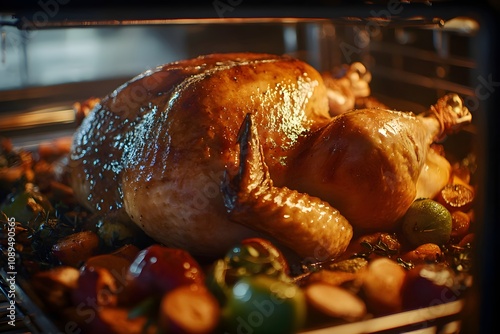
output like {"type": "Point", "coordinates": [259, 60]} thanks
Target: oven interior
{"type": "Point", "coordinates": [415, 54]}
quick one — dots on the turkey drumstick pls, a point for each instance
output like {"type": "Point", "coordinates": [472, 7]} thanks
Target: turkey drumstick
{"type": "Point", "coordinates": [367, 163]}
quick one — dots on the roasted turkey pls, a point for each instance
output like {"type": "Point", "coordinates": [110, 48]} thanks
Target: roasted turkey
{"type": "Point", "coordinates": [203, 152]}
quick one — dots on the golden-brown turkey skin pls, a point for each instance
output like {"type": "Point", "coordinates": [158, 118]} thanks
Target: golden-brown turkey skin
{"type": "Point", "coordinates": [155, 149]}
{"type": "Point", "coordinates": [366, 163]}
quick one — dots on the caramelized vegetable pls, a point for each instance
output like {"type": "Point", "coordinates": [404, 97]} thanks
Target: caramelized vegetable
{"type": "Point", "coordinates": [335, 301]}
{"type": "Point", "coordinates": [382, 284]}
{"type": "Point", "coordinates": [466, 240]}
{"type": "Point", "coordinates": [96, 284]}
{"type": "Point", "coordinates": [189, 309]}
{"type": "Point", "coordinates": [373, 245]}
{"type": "Point", "coordinates": [456, 197]}
{"type": "Point", "coordinates": [332, 277]}
{"type": "Point", "coordinates": [56, 285]}
{"type": "Point", "coordinates": [116, 320]}
{"type": "Point", "coordinates": [460, 224]}
{"type": "Point", "coordinates": [74, 249]}
{"type": "Point", "coordinates": [425, 253]}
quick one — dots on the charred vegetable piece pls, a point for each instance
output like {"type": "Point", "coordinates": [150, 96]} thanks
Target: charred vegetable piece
{"type": "Point", "coordinates": [263, 304]}
{"type": "Point", "coordinates": [55, 285]}
{"type": "Point", "coordinates": [372, 246]}
{"type": "Point", "coordinates": [117, 264]}
{"type": "Point", "coordinates": [115, 234]}
{"type": "Point", "coordinates": [338, 273]}
{"type": "Point", "coordinates": [27, 206]}
{"type": "Point", "coordinates": [468, 239]}
{"type": "Point", "coordinates": [330, 277]}
{"type": "Point", "coordinates": [189, 309]}
{"type": "Point", "coordinates": [118, 260]}
{"type": "Point", "coordinates": [76, 248]}
{"type": "Point", "coordinates": [344, 272]}
{"type": "Point", "coordinates": [95, 284]}
{"type": "Point", "coordinates": [59, 225]}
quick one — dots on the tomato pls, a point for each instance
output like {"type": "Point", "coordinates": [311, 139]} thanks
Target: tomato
{"type": "Point", "coordinates": [264, 304]}
{"type": "Point", "coordinates": [158, 269]}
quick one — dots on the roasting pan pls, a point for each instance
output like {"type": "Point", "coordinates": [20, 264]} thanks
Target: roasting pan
{"type": "Point", "coordinates": [55, 53]}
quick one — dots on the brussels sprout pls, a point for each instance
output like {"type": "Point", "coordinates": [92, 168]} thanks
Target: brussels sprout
{"type": "Point", "coordinates": [427, 221]}
{"type": "Point", "coordinates": [27, 206]}
{"type": "Point", "coordinates": [253, 256]}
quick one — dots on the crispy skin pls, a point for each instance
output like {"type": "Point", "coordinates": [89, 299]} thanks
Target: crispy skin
{"type": "Point", "coordinates": [155, 149]}
{"type": "Point", "coordinates": [366, 162]}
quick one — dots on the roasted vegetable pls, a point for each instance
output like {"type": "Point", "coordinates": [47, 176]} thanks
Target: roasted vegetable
{"type": "Point", "coordinates": [251, 257]}
{"type": "Point", "coordinates": [189, 309]}
{"type": "Point", "coordinates": [115, 233]}
{"type": "Point", "coordinates": [431, 284]}
{"type": "Point", "coordinates": [56, 285]}
{"type": "Point", "coordinates": [27, 205]}
{"type": "Point", "coordinates": [264, 304]}
{"type": "Point", "coordinates": [15, 168]}
{"type": "Point", "coordinates": [76, 248]}
{"type": "Point", "coordinates": [335, 301]}
{"type": "Point", "coordinates": [382, 282]}
{"type": "Point", "coordinates": [158, 269]}
{"type": "Point", "coordinates": [457, 196]}
{"type": "Point", "coordinates": [427, 221]}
